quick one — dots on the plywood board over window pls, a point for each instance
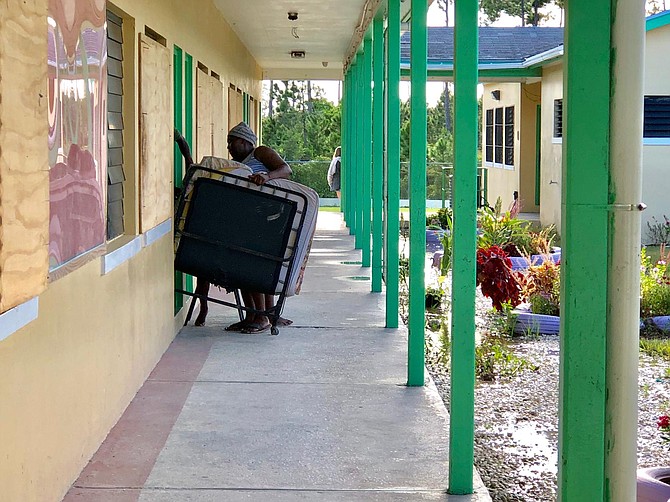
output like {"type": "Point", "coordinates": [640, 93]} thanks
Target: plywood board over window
{"type": "Point", "coordinates": [219, 134]}
{"type": "Point", "coordinates": [155, 133]}
{"type": "Point", "coordinates": [24, 165]}
{"type": "Point", "coordinates": [235, 106]}
{"type": "Point", "coordinates": [203, 114]}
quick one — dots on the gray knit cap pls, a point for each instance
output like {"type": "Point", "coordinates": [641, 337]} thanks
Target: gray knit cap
{"type": "Point", "coordinates": [243, 131]}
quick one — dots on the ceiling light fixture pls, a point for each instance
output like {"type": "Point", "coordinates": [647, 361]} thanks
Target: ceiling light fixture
{"type": "Point", "coordinates": [298, 54]}
{"type": "Point", "coordinates": [292, 16]}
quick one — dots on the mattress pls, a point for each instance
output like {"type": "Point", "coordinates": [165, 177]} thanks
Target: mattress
{"type": "Point", "coordinates": [302, 202]}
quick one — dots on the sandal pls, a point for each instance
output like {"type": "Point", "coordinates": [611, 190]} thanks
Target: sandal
{"type": "Point", "coordinates": [256, 328]}
{"type": "Point", "coordinates": [238, 326]}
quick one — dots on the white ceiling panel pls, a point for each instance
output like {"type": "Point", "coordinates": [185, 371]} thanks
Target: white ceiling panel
{"type": "Point", "coordinates": [324, 29]}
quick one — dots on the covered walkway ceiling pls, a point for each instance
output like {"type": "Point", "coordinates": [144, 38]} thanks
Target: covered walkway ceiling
{"type": "Point", "coordinates": [325, 30]}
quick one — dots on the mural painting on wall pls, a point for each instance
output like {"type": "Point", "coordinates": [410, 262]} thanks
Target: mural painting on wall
{"type": "Point", "coordinates": [77, 87]}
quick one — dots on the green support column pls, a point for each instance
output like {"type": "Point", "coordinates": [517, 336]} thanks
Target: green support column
{"type": "Point", "coordinates": [354, 154]}
{"type": "Point", "coordinates": [584, 264]}
{"type": "Point", "coordinates": [417, 190]}
{"type": "Point", "coordinates": [461, 425]}
{"type": "Point", "coordinates": [360, 149]}
{"type": "Point", "coordinates": [378, 152]}
{"type": "Point", "coordinates": [392, 162]}
{"type": "Point", "coordinates": [366, 207]}
{"type": "Point", "coordinates": [344, 148]}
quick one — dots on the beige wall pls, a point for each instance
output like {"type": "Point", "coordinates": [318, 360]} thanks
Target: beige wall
{"type": "Point", "coordinates": [551, 150]}
{"type": "Point", "coordinates": [68, 375]}
{"type": "Point", "coordinates": [655, 163]}
{"type": "Point", "coordinates": [502, 182]}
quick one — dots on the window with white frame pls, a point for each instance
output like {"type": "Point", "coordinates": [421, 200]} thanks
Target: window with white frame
{"type": "Point", "coordinates": [499, 137]}
{"type": "Point", "coordinates": [657, 119]}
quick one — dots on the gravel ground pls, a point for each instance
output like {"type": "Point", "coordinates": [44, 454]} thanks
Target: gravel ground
{"type": "Point", "coordinates": [516, 418]}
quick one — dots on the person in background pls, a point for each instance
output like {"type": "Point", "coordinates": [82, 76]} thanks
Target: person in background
{"type": "Point", "coordinates": [334, 171]}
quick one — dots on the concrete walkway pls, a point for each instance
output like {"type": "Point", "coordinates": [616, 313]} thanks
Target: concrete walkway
{"type": "Point", "coordinates": [319, 413]}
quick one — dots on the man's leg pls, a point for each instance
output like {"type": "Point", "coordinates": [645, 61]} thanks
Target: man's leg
{"type": "Point", "coordinates": [260, 321]}
{"type": "Point", "coordinates": [202, 288]}
{"type": "Point", "coordinates": [249, 318]}
{"type": "Point", "coordinates": [270, 303]}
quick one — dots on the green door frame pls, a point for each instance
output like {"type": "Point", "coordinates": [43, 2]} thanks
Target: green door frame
{"type": "Point", "coordinates": [177, 158]}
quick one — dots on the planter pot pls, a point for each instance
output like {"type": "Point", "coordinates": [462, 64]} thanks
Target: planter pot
{"type": "Point", "coordinates": [536, 323]}
{"type": "Point", "coordinates": [653, 484]}
{"type": "Point", "coordinates": [662, 322]}
{"type": "Point", "coordinates": [522, 263]}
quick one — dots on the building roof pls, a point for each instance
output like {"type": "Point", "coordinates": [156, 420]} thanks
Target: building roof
{"type": "Point", "coordinates": [658, 20]}
{"type": "Point", "coordinates": [497, 45]}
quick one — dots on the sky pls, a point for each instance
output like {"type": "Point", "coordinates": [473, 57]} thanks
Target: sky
{"type": "Point", "coordinates": [332, 89]}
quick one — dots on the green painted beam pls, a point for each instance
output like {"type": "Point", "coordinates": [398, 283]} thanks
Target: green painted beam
{"type": "Point", "coordinates": [366, 110]}
{"type": "Point", "coordinates": [378, 152]}
{"type": "Point", "coordinates": [484, 73]}
{"type": "Point", "coordinates": [417, 197]}
{"type": "Point", "coordinates": [584, 265]}
{"type": "Point", "coordinates": [461, 424]}
{"type": "Point", "coordinates": [392, 235]}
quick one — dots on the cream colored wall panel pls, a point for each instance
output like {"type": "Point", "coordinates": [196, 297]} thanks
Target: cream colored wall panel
{"type": "Point", "coordinates": [656, 68]}
{"type": "Point", "coordinates": [24, 167]}
{"type": "Point", "coordinates": [155, 133]}
{"type": "Point", "coordinates": [551, 150]}
{"type": "Point", "coordinates": [68, 375]}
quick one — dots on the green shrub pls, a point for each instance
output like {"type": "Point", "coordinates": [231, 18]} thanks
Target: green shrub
{"type": "Point", "coordinates": [493, 358]}
{"type": "Point", "coordinates": [313, 174]}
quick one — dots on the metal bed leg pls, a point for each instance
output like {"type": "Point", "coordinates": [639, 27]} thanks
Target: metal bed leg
{"type": "Point", "coordinates": [238, 301]}
{"type": "Point", "coordinates": [191, 307]}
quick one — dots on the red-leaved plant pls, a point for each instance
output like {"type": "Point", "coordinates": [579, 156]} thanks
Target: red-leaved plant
{"type": "Point", "coordinates": [664, 427]}
{"type": "Point", "coordinates": [496, 278]}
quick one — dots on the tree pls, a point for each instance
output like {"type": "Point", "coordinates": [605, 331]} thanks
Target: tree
{"type": "Point", "coordinates": [527, 10]}
{"type": "Point", "coordinates": [304, 125]}
{"type": "Point", "coordinates": [444, 5]}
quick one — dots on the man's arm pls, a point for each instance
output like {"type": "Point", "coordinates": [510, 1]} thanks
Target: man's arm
{"type": "Point", "coordinates": [276, 166]}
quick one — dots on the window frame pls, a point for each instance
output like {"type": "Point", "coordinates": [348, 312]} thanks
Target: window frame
{"type": "Point", "coordinates": [499, 136]}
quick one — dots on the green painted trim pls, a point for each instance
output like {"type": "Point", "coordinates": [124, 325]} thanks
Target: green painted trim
{"type": "Point", "coordinates": [484, 73]}
{"type": "Point", "coordinates": [584, 270]}
{"type": "Point", "coordinates": [177, 158]}
{"type": "Point", "coordinates": [378, 152]}
{"type": "Point", "coordinates": [538, 152]}
{"type": "Point", "coordinates": [658, 20]}
{"type": "Point", "coordinates": [392, 163]}
{"type": "Point", "coordinates": [466, 125]}
{"type": "Point", "coordinates": [245, 107]}
{"type": "Point", "coordinates": [188, 123]}
{"type": "Point", "coordinates": [366, 247]}
{"type": "Point", "coordinates": [417, 198]}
